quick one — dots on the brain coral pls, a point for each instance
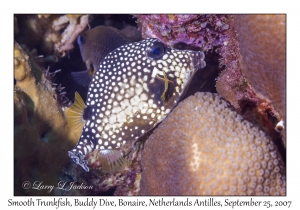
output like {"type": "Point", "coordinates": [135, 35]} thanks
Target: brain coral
{"type": "Point", "coordinates": [205, 148]}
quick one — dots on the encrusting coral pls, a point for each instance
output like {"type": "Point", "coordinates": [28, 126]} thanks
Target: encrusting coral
{"type": "Point", "coordinates": [41, 133]}
{"type": "Point", "coordinates": [205, 148]}
{"type": "Point", "coordinates": [201, 31]}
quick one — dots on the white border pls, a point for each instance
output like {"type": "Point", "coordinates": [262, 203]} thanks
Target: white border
{"type": "Point", "coordinates": [153, 6]}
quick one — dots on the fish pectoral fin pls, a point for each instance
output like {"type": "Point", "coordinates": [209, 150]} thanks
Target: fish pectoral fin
{"type": "Point", "coordinates": [82, 78]}
{"type": "Point", "coordinates": [75, 112]}
{"type": "Point", "coordinates": [112, 160]}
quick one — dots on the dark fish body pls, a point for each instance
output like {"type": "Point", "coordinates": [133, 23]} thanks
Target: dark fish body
{"type": "Point", "coordinates": [94, 45]}
{"type": "Point", "coordinates": [135, 87]}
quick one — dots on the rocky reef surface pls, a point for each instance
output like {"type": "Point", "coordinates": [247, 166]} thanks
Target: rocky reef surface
{"type": "Point", "coordinates": [245, 57]}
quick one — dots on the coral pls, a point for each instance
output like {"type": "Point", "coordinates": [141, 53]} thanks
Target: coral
{"type": "Point", "coordinates": [41, 134]}
{"type": "Point", "coordinates": [77, 23]}
{"type": "Point", "coordinates": [202, 31]}
{"type": "Point", "coordinates": [51, 34]}
{"type": "Point", "coordinates": [252, 50]}
{"type": "Point", "coordinates": [263, 56]}
{"type": "Point", "coordinates": [251, 53]}
{"type": "Point", "coordinates": [254, 77]}
{"type": "Point", "coordinates": [205, 148]}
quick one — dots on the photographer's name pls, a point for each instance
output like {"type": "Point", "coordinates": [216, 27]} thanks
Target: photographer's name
{"type": "Point", "coordinates": [62, 185]}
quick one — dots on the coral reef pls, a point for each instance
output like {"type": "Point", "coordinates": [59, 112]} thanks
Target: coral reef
{"type": "Point", "coordinates": [254, 77]}
{"type": "Point", "coordinates": [245, 57]}
{"type": "Point", "coordinates": [44, 33]}
{"type": "Point", "coordinates": [205, 148]}
{"type": "Point", "coordinates": [201, 31]}
{"type": "Point", "coordinates": [77, 23]}
{"type": "Point", "coordinates": [41, 134]}
{"type": "Point", "coordinates": [252, 55]}
{"type": "Point", "coordinates": [53, 34]}
{"type": "Point", "coordinates": [41, 95]}
{"type": "Point", "coordinates": [263, 56]}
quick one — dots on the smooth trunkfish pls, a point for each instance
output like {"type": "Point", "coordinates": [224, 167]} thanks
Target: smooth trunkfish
{"type": "Point", "coordinates": [134, 89]}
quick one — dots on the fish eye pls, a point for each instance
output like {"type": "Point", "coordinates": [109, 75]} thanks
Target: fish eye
{"type": "Point", "coordinates": [156, 51]}
{"type": "Point", "coordinates": [81, 39]}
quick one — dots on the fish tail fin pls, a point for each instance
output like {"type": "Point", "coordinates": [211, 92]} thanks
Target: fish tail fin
{"type": "Point", "coordinates": [82, 78]}
{"type": "Point", "coordinates": [78, 158]}
{"type": "Point", "coordinates": [112, 160]}
{"type": "Point", "coordinates": [79, 152]}
{"type": "Point", "coordinates": [74, 113]}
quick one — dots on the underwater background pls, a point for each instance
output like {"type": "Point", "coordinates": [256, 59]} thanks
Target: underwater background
{"type": "Point", "coordinates": [226, 137]}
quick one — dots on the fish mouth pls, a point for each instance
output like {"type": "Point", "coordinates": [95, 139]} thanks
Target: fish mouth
{"type": "Point", "coordinates": [197, 58]}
